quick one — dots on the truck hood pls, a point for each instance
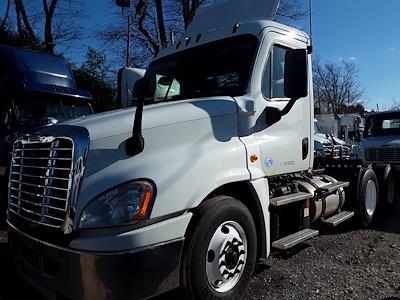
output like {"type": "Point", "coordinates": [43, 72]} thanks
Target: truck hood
{"type": "Point", "coordinates": [120, 121]}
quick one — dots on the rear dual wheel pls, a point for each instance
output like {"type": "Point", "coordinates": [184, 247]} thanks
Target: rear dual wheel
{"type": "Point", "coordinates": [390, 192]}
{"type": "Point", "coordinates": [367, 196]}
{"type": "Point", "coordinates": [220, 255]}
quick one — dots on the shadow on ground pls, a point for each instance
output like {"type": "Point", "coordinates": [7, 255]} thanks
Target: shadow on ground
{"type": "Point", "coordinates": [12, 287]}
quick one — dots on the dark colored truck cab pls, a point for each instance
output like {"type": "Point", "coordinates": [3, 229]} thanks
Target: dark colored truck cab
{"type": "Point", "coordinates": [36, 89]}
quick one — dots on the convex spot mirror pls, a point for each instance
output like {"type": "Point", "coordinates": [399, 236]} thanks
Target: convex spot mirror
{"type": "Point", "coordinates": [296, 74]}
{"type": "Point", "coordinates": [165, 81]}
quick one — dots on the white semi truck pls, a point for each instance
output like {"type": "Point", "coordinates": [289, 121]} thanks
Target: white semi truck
{"type": "Point", "coordinates": [194, 184]}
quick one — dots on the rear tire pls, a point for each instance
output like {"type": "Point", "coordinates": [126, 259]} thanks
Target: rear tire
{"type": "Point", "coordinates": [367, 197]}
{"type": "Point", "coordinates": [219, 258]}
{"type": "Point", "coordinates": [391, 192]}
{"type": "Point", "coordinates": [387, 186]}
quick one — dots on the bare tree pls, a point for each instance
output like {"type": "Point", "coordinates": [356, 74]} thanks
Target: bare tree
{"type": "Point", "coordinates": [6, 15]}
{"type": "Point", "coordinates": [189, 10]}
{"type": "Point", "coordinates": [291, 11]}
{"type": "Point", "coordinates": [395, 104]}
{"type": "Point", "coordinates": [336, 86]}
{"type": "Point", "coordinates": [160, 23]}
{"type": "Point", "coordinates": [156, 21]}
{"type": "Point", "coordinates": [26, 30]}
{"type": "Point", "coordinates": [48, 32]}
{"type": "Point", "coordinates": [45, 24]}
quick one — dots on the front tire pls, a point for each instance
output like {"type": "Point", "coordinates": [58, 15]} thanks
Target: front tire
{"type": "Point", "coordinates": [220, 255]}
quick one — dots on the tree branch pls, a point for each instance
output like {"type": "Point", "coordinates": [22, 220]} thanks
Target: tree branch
{"type": "Point", "coordinates": [48, 33]}
{"type": "Point", "coordinates": [3, 23]}
{"type": "Point", "coordinates": [20, 8]}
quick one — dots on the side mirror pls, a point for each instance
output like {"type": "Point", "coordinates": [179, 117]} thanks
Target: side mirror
{"type": "Point", "coordinates": [144, 87]}
{"type": "Point", "coordinates": [127, 78]}
{"type": "Point", "coordinates": [296, 74]}
{"type": "Point", "coordinates": [52, 121]}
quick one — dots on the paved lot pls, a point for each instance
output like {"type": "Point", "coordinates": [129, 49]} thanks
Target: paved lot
{"type": "Point", "coordinates": [346, 264]}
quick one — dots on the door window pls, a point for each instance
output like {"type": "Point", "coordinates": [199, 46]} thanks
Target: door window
{"type": "Point", "coordinates": [274, 74]}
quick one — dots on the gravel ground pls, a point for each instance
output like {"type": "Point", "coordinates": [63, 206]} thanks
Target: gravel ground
{"type": "Point", "coordinates": [345, 264]}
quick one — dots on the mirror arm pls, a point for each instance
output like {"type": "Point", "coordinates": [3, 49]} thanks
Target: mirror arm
{"type": "Point", "coordinates": [288, 107]}
{"type": "Point", "coordinates": [135, 144]}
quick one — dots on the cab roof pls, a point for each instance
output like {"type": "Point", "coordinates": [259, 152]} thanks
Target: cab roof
{"type": "Point", "coordinates": [229, 18]}
{"type": "Point", "coordinates": [28, 70]}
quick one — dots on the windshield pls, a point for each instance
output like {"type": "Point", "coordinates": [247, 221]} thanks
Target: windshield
{"type": "Point", "coordinates": [384, 124]}
{"type": "Point", "coordinates": [220, 68]}
{"type": "Point", "coordinates": [36, 111]}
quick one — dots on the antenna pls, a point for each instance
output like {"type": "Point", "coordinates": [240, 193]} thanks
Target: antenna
{"type": "Point", "coordinates": [310, 47]}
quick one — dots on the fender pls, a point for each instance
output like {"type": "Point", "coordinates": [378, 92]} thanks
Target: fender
{"type": "Point", "coordinates": [261, 189]}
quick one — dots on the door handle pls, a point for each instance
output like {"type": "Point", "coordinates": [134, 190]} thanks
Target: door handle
{"type": "Point", "coordinates": [305, 148]}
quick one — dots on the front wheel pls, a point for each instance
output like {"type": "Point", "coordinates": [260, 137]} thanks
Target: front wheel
{"type": "Point", "coordinates": [220, 256]}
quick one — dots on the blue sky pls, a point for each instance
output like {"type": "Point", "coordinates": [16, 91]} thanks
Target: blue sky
{"type": "Point", "coordinates": [366, 31]}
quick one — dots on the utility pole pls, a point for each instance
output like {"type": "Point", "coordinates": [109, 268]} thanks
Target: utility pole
{"type": "Point", "coordinates": [128, 41]}
{"type": "Point", "coordinates": [126, 4]}
{"type": "Point", "coordinates": [348, 98]}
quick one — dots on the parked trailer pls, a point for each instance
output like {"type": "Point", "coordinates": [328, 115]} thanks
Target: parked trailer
{"type": "Point", "coordinates": [210, 174]}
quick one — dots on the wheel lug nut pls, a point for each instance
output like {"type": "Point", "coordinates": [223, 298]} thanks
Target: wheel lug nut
{"type": "Point", "coordinates": [210, 256]}
{"type": "Point", "coordinates": [225, 272]}
{"type": "Point", "coordinates": [225, 230]}
{"type": "Point", "coordinates": [218, 282]}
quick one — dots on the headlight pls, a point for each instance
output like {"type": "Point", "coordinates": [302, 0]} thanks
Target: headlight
{"type": "Point", "coordinates": [126, 204]}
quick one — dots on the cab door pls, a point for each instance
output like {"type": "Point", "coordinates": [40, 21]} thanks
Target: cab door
{"type": "Point", "coordinates": [285, 143]}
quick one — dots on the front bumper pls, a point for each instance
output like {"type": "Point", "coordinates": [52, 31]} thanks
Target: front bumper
{"type": "Point", "coordinates": [136, 274]}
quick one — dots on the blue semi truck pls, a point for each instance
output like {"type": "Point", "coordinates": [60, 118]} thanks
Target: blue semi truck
{"type": "Point", "coordinates": [37, 89]}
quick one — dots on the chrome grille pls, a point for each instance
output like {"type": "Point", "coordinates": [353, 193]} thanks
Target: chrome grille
{"type": "Point", "coordinates": [337, 151]}
{"type": "Point", "coordinates": [387, 155]}
{"type": "Point", "coordinates": [40, 180]}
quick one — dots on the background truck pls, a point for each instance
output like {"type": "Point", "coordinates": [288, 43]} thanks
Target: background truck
{"type": "Point", "coordinates": [214, 170]}
{"type": "Point", "coordinates": [380, 147]}
{"type": "Point", "coordinates": [327, 145]}
{"type": "Point", "coordinates": [348, 127]}
{"type": "Point", "coordinates": [37, 89]}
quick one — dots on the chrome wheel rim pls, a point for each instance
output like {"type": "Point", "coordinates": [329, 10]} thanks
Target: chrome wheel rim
{"type": "Point", "coordinates": [370, 197]}
{"type": "Point", "coordinates": [226, 257]}
{"type": "Point", "coordinates": [390, 190]}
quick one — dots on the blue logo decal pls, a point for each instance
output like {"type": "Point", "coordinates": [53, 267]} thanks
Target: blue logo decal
{"type": "Point", "coordinates": [268, 162]}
